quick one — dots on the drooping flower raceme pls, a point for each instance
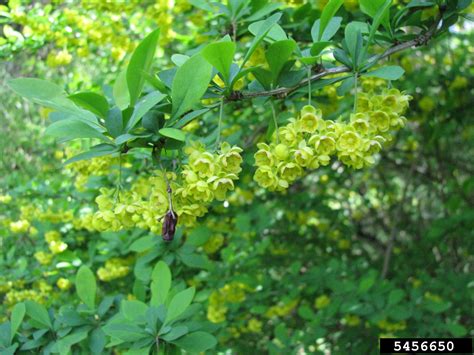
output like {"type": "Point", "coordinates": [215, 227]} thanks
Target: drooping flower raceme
{"type": "Point", "coordinates": [309, 141]}
{"type": "Point", "coordinates": [207, 176]}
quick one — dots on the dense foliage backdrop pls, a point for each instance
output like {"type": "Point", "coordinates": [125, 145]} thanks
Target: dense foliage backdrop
{"type": "Point", "coordinates": [316, 156]}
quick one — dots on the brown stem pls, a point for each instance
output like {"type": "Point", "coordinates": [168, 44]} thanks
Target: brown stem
{"type": "Point", "coordinates": [422, 39]}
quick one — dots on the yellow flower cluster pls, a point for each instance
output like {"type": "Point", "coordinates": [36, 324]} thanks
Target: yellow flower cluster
{"type": "Point", "coordinates": [40, 293]}
{"type": "Point", "coordinates": [56, 245]}
{"type": "Point", "coordinates": [391, 327]}
{"type": "Point", "coordinates": [43, 258]}
{"type": "Point", "coordinates": [20, 226]}
{"type": "Point", "coordinates": [58, 58]}
{"type": "Point", "coordinates": [6, 285]}
{"type": "Point", "coordinates": [282, 309]}
{"type": "Point", "coordinates": [309, 141]}
{"type": "Point", "coordinates": [206, 177]}
{"type": "Point", "coordinates": [114, 268]}
{"type": "Point", "coordinates": [322, 302]}
{"type": "Point", "coordinates": [230, 293]}
{"type": "Point", "coordinates": [213, 244]}
{"type": "Point", "coordinates": [64, 284]}
{"type": "Point", "coordinates": [32, 212]}
{"type": "Point", "coordinates": [98, 166]}
{"type": "Point", "coordinates": [6, 199]}
{"type": "Point", "coordinates": [351, 320]}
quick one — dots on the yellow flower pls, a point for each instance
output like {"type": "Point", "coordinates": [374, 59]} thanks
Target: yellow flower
{"type": "Point", "coordinates": [351, 320]}
{"type": "Point", "coordinates": [199, 190]}
{"type": "Point", "coordinates": [380, 120]}
{"type": "Point", "coordinates": [427, 104]}
{"type": "Point", "coordinates": [254, 325]}
{"type": "Point", "coordinates": [263, 156]}
{"type": "Point", "coordinates": [290, 171]}
{"type": "Point", "coordinates": [265, 177]}
{"type": "Point", "coordinates": [5, 199]}
{"type": "Point", "coordinates": [230, 158]}
{"type": "Point", "coordinates": [349, 141]}
{"type": "Point", "coordinates": [20, 226]}
{"type": "Point", "coordinates": [323, 144]}
{"type": "Point", "coordinates": [303, 155]}
{"type": "Point", "coordinates": [322, 302]}
{"type": "Point", "coordinates": [220, 185]}
{"type": "Point", "coordinates": [43, 258]}
{"type": "Point", "coordinates": [281, 151]}
{"type": "Point", "coordinates": [202, 163]}
{"type": "Point", "coordinates": [309, 121]}
{"type": "Point", "coordinates": [64, 284]}
{"type": "Point", "coordinates": [459, 82]}
{"type": "Point", "coordinates": [52, 236]}
{"type": "Point", "coordinates": [57, 247]}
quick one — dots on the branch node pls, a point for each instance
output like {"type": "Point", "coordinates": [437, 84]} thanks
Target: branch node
{"type": "Point", "coordinates": [235, 96]}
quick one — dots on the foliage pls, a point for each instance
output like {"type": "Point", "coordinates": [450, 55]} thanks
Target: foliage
{"type": "Point", "coordinates": [258, 153]}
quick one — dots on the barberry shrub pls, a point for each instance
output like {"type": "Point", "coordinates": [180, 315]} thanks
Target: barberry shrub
{"type": "Point", "coordinates": [286, 161]}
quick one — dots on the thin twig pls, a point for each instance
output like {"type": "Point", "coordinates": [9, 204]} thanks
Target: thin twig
{"type": "Point", "coordinates": [422, 39]}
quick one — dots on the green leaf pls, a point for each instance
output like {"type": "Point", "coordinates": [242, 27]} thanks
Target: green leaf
{"type": "Point", "coordinates": [120, 91]}
{"type": "Point", "coordinates": [368, 281]}
{"type": "Point", "coordinates": [173, 133]}
{"type": "Point", "coordinates": [276, 32]}
{"type": "Point", "coordinates": [189, 84]}
{"type": "Point", "coordinates": [277, 55]}
{"type": "Point", "coordinates": [179, 303]}
{"type": "Point", "coordinates": [263, 11]}
{"type": "Point", "coordinates": [354, 42]}
{"type": "Point", "coordinates": [318, 47]}
{"type": "Point", "coordinates": [97, 341]}
{"type": "Point", "coordinates": [91, 101]}
{"type": "Point", "coordinates": [195, 260]}
{"type": "Point", "coordinates": [264, 77]}
{"type": "Point", "coordinates": [196, 342]}
{"type": "Point", "coordinates": [328, 13]}
{"type": "Point", "coordinates": [160, 284]}
{"type": "Point", "coordinates": [145, 104]}
{"type": "Point", "coordinates": [18, 312]}
{"type": "Point", "coordinates": [86, 286]}
{"type": "Point", "coordinates": [36, 90]}
{"type": "Point", "coordinates": [124, 332]}
{"type": "Point", "coordinates": [391, 72]}
{"type": "Point", "coordinates": [371, 7]}
{"type": "Point", "coordinates": [38, 313]}
{"type": "Point", "coordinates": [44, 93]}
{"type": "Point", "coordinates": [70, 129]}
{"type": "Point", "coordinates": [329, 32]}
{"type": "Point", "coordinates": [141, 61]}
{"type": "Point", "coordinates": [142, 244]}
{"type": "Point", "coordinates": [395, 296]}
{"type": "Point", "coordinates": [457, 330]}
{"type": "Point", "coordinates": [114, 122]}
{"type": "Point", "coordinates": [380, 15]}
{"type": "Point", "coordinates": [133, 310]}
{"type": "Point", "coordinates": [263, 29]}
{"type": "Point", "coordinates": [175, 333]}
{"type": "Point", "coordinates": [220, 55]}
{"type": "Point", "coordinates": [199, 236]}
{"type": "Point", "coordinates": [139, 351]}
{"type": "Point", "coordinates": [99, 150]}
{"type": "Point", "coordinates": [64, 345]}
{"type": "Point", "coordinates": [179, 59]}
{"type": "Point", "coordinates": [190, 117]}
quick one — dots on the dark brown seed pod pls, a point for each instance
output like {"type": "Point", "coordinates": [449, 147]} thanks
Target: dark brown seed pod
{"type": "Point", "coordinates": [169, 226]}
